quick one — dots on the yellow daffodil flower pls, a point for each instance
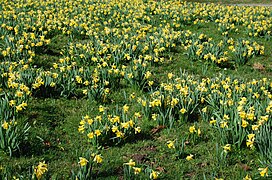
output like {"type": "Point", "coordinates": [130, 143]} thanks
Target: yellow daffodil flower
{"type": "Point", "coordinates": [83, 161]}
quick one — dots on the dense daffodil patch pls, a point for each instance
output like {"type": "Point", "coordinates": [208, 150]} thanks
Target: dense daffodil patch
{"type": "Point", "coordinates": [110, 44]}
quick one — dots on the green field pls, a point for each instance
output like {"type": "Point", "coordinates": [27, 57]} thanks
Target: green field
{"type": "Point", "coordinates": [102, 89]}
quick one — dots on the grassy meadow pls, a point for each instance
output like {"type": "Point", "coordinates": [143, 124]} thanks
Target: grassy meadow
{"type": "Point", "coordinates": [118, 89]}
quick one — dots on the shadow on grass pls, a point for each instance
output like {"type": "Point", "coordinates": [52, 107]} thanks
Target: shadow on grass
{"type": "Point", "coordinates": [128, 140]}
{"type": "Point", "coordinates": [110, 173]}
{"type": "Point", "coordinates": [57, 92]}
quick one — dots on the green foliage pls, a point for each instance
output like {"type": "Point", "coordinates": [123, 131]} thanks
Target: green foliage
{"type": "Point", "coordinates": [12, 136]}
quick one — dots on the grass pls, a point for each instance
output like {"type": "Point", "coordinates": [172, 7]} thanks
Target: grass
{"type": "Point", "coordinates": [54, 136]}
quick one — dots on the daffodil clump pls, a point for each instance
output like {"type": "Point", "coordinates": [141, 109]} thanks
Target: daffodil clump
{"type": "Point", "coordinates": [131, 171]}
{"type": "Point", "coordinates": [178, 147]}
{"type": "Point", "coordinates": [138, 74]}
{"type": "Point", "coordinates": [110, 127]}
{"type": "Point", "coordinates": [106, 128]}
{"type": "Point", "coordinates": [236, 115]}
{"type": "Point", "coordinates": [88, 165]}
{"type": "Point", "coordinates": [176, 99]}
{"type": "Point", "coordinates": [194, 133]}
{"type": "Point", "coordinates": [235, 108]}
{"type": "Point", "coordinates": [14, 93]}
{"type": "Point", "coordinates": [224, 53]}
{"type": "Point", "coordinates": [12, 136]}
{"type": "Point", "coordinates": [14, 96]}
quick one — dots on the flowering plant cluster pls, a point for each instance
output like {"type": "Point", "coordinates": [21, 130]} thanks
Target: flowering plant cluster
{"type": "Point", "coordinates": [113, 44]}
